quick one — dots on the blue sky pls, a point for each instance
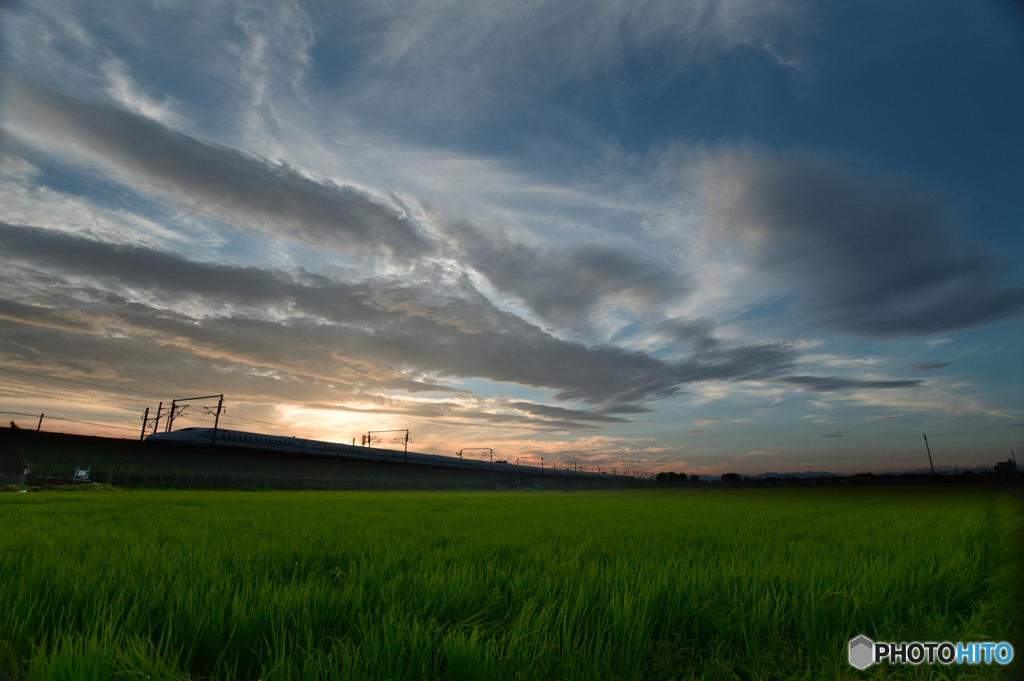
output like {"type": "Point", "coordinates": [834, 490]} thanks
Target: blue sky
{"type": "Point", "coordinates": [703, 237]}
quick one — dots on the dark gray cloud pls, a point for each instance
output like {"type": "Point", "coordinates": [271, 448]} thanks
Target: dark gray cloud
{"type": "Point", "coordinates": [137, 266]}
{"type": "Point", "coordinates": [176, 368]}
{"type": "Point", "coordinates": [872, 253]}
{"type": "Point", "coordinates": [551, 412]}
{"type": "Point", "coordinates": [927, 366]}
{"type": "Point", "coordinates": [837, 433]}
{"type": "Point", "coordinates": [824, 384]}
{"type": "Point", "coordinates": [696, 334]}
{"type": "Point", "coordinates": [560, 420]}
{"type": "Point", "coordinates": [761, 359]}
{"type": "Point", "coordinates": [237, 186]}
{"type": "Point", "coordinates": [372, 331]}
{"type": "Point", "coordinates": [564, 285]}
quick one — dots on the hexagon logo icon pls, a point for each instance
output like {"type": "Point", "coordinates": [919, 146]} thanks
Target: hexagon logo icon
{"type": "Point", "coordinates": [862, 652]}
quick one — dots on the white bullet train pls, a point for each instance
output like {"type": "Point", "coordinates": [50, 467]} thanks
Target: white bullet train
{"type": "Point", "coordinates": [295, 445]}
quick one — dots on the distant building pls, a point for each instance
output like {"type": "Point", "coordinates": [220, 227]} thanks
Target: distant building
{"type": "Point", "coordinates": [1007, 471]}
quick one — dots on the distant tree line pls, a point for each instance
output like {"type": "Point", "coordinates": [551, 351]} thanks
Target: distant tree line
{"type": "Point", "coordinates": [1005, 472]}
{"type": "Point", "coordinates": [669, 478]}
{"type": "Point", "coordinates": [675, 478]}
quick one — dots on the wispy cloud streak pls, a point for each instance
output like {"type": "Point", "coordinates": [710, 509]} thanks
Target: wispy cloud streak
{"type": "Point", "coordinates": [273, 318]}
{"type": "Point", "coordinates": [237, 186]}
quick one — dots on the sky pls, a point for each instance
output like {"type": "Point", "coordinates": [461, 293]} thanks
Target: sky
{"type": "Point", "coordinates": [709, 236]}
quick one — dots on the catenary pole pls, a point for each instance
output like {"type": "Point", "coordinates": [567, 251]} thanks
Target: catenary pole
{"type": "Point", "coordinates": [216, 420]}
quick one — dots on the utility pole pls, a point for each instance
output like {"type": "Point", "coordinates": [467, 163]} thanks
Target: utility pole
{"type": "Point", "coordinates": [532, 458]}
{"type": "Point", "coordinates": [175, 411]}
{"type": "Point", "coordinates": [929, 449]}
{"type": "Point", "coordinates": [482, 449]}
{"type": "Point", "coordinates": [216, 420]}
{"type": "Point", "coordinates": [40, 424]}
{"type": "Point", "coordinates": [369, 440]}
{"type": "Point", "coordinates": [154, 422]}
{"type": "Point", "coordinates": [170, 416]}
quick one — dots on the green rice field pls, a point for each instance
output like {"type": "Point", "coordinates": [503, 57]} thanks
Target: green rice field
{"type": "Point", "coordinates": [754, 584]}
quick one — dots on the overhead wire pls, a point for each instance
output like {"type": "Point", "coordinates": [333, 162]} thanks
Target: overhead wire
{"type": "Point", "coordinates": [58, 418]}
{"type": "Point", "coordinates": [249, 420]}
{"type": "Point", "coordinates": [27, 389]}
{"type": "Point", "coordinates": [99, 385]}
{"type": "Point", "coordinates": [70, 411]}
{"type": "Point", "coordinates": [245, 408]}
{"type": "Point", "coordinates": [95, 385]}
{"type": "Point", "coordinates": [305, 434]}
{"type": "Point", "coordinates": [24, 388]}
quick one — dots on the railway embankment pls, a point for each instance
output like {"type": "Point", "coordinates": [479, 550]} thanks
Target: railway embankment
{"type": "Point", "coordinates": [60, 459]}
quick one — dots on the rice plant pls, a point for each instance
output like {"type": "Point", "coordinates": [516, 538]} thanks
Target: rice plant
{"type": "Point", "coordinates": [597, 585]}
